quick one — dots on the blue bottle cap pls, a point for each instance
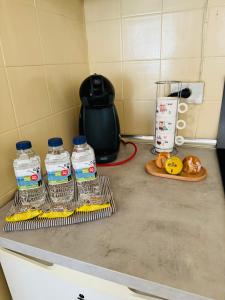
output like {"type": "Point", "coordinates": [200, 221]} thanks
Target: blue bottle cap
{"type": "Point", "coordinates": [79, 140]}
{"type": "Point", "coordinates": [23, 145]}
{"type": "Point", "coordinates": [55, 142]}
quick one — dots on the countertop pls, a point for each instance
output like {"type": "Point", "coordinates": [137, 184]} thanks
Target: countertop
{"type": "Point", "coordinates": [166, 235]}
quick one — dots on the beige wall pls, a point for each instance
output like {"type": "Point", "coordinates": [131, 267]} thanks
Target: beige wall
{"type": "Point", "coordinates": [43, 59]}
{"type": "Point", "coordinates": [137, 42]}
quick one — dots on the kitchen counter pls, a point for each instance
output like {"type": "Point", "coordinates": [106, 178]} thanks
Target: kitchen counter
{"type": "Point", "coordinates": [165, 231]}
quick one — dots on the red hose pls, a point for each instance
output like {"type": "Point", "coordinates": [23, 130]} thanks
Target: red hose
{"type": "Point", "coordinates": [118, 163]}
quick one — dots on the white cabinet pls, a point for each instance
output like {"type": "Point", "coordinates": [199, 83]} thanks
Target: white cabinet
{"type": "Point", "coordinates": [29, 279]}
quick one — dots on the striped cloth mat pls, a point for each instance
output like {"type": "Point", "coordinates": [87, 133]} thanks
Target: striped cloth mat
{"type": "Point", "coordinates": [76, 218]}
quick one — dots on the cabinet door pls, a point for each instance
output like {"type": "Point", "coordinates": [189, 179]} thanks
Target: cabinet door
{"type": "Point", "coordinates": [31, 279]}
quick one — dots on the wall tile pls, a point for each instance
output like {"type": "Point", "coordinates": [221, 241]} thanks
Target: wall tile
{"type": "Point", "coordinates": [120, 110]}
{"type": "Point", "coordinates": [7, 155]}
{"type": "Point", "coordinates": [30, 94]}
{"type": "Point", "coordinates": [7, 119]}
{"type": "Point", "coordinates": [39, 133]}
{"type": "Point", "coordinates": [209, 111]}
{"type": "Point", "coordinates": [77, 42]}
{"type": "Point", "coordinates": [78, 73]}
{"type": "Point", "coordinates": [215, 45]}
{"type": "Point", "coordinates": [104, 41]}
{"type": "Point", "coordinates": [77, 11]}
{"type": "Point", "coordinates": [214, 76]}
{"type": "Point", "coordinates": [181, 34]}
{"type": "Point", "coordinates": [60, 87]}
{"type": "Point", "coordinates": [141, 37]}
{"type": "Point", "coordinates": [31, 2]}
{"type": "Point", "coordinates": [216, 3]}
{"type": "Point", "coordinates": [69, 8]}
{"type": "Point", "coordinates": [3, 200]}
{"type": "Point", "coordinates": [187, 69]}
{"type": "Point", "coordinates": [134, 7]}
{"type": "Point", "coordinates": [66, 126]}
{"type": "Point", "coordinates": [139, 80]}
{"type": "Point", "coordinates": [191, 119]}
{"type": "Point", "coordinates": [175, 5]}
{"type": "Point", "coordinates": [63, 40]}
{"type": "Point", "coordinates": [19, 34]}
{"type": "Point", "coordinates": [139, 117]}
{"type": "Point", "coordinates": [1, 59]}
{"type": "Point", "coordinates": [101, 10]}
{"type": "Point", "coordinates": [112, 71]}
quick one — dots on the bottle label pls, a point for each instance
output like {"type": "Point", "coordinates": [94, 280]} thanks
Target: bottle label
{"type": "Point", "coordinates": [58, 171]}
{"type": "Point", "coordinates": [85, 170]}
{"type": "Point", "coordinates": [29, 178]}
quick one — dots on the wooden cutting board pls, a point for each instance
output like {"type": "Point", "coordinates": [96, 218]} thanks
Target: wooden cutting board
{"type": "Point", "coordinates": [152, 169]}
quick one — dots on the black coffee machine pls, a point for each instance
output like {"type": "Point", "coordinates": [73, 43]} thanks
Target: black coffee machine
{"type": "Point", "coordinates": [98, 119]}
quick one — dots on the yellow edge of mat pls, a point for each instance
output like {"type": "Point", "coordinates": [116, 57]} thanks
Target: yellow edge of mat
{"type": "Point", "coordinates": [23, 216]}
{"type": "Point", "coordinates": [94, 207]}
{"type": "Point", "coordinates": [56, 214]}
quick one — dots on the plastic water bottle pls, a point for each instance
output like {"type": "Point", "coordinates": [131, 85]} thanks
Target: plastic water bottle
{"type": "Point", "coordinates": [84, 165]}
{"type": "Point", "coordinates": [58, 167]}
{"type": "Point", "coordinates": [27, 168]}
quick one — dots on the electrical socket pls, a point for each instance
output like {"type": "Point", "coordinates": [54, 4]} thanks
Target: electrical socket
{"type": "Point", "coordinates": [197, 91]}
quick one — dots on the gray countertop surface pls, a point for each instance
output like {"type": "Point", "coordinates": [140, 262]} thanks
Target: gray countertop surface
{"type": "Point", "coordinates": [166, 235]}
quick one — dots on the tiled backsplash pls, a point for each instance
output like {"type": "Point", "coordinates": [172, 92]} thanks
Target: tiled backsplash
{"type": "Point", "coordinates": [43, 59]}
{"type": "Point", "coordinates": [137, 42]}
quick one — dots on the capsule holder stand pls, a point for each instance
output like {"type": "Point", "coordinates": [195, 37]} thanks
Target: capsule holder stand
{"type": "Point", "coordinates": [76, 218]}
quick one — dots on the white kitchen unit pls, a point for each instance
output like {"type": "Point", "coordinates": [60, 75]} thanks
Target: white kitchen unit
{"type": "Point", "coordinates": [32, 279]}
